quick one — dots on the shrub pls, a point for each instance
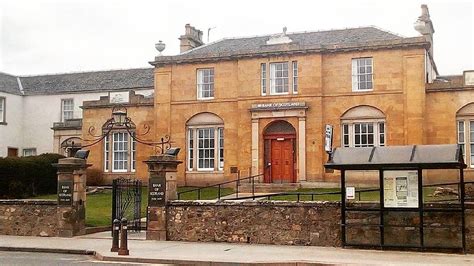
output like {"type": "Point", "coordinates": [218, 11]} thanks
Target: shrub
{"type": "Point", "coordinates": [94, 177]}
{"type": "Point", "coordinates": [28, 176]}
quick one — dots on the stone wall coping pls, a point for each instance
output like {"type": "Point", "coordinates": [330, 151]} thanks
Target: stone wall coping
{"type": "Point", "coordinates": [250, 203]}
{"type": "Point", "coordinates": [28, 202]}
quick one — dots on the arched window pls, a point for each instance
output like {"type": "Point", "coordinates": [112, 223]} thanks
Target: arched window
{"type": "Point", "coordinates": [363, 126]}
{"type": "Point", "coordinates": [465, 132]}
{"type": "Point", "coordinates": [205, 143]}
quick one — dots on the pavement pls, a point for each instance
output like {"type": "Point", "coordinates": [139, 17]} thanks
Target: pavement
{"type": "Point", "coordinates": [173, 252]}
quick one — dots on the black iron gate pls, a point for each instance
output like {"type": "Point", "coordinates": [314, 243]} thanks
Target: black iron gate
{"type": "Point", "coordinates": [126, 201]}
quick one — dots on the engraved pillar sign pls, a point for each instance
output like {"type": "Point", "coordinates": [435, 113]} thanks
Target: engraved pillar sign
{"type": "Point", "coordinates": [157, 192]}
{"type": "Point", "coordinates": [65, 189]}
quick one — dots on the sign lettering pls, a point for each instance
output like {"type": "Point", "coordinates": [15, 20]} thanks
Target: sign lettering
{"type": "Point", "coordinates": [328, 139]}
{"type": "Point", "coordinates": [65, 189]}
{"type": "Point", "coordinates": [157, 191]}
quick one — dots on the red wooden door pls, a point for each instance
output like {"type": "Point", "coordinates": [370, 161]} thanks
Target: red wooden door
{"type": "Point", "coordinates": [282, 165]}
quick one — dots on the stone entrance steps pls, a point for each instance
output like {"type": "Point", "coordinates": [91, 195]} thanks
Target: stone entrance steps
{"type": "Point", "coordinates": [269, 187]}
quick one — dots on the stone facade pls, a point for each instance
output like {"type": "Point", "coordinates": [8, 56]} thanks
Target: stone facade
{"type": "Point", "coordinates": [28, 217]}
{"type": "Point", "coordinates": [96, 113]}
{"type": "Point", "coordinates": [324, 85]}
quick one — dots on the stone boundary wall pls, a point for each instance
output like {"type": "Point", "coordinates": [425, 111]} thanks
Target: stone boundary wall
{"type": "Point", "coordinates": [28, 217]}
{"type": "Point", "coordinates": [305, 223]}
{"type": "Point", "coordinates": [259, 222]}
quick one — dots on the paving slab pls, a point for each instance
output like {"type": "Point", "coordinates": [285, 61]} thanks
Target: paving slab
{"type": "Point", "coordinates": [148, 251]}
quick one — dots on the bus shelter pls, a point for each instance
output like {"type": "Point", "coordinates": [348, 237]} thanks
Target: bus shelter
{"type": "Point", "coordinates": [401, 218]}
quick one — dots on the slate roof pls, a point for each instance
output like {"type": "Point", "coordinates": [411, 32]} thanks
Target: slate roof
{"type": "Point", "coordinates": [304, 41]}
{"type": "Point", "coordinates": [88, 81]}
{"type": "Point", "coordinates": [9, 84]}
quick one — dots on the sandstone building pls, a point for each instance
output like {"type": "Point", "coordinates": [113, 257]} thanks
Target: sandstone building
{"type": "Point", "coordinates": [260, 104]}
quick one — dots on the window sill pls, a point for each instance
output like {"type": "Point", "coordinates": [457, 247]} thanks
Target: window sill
{"type": "Point", "coordinates": [3, 123]}
{"type": "Point", "coordinates": [361, 91]}
{"type": "Point", "coordinates": [205, 99]}
{"type": "Point", "coordinates": [205, 172]}
{"type": "Point", "coordinates": [282, 93]}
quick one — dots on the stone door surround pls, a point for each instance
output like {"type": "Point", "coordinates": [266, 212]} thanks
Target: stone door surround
{"type": "Point", "coordinates": [280, 110]}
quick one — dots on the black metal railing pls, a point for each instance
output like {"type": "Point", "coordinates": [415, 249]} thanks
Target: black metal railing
{"type": "Point", "coordinates": [238, 182]}
{"type": "Point", "coordinates": [358, 193]}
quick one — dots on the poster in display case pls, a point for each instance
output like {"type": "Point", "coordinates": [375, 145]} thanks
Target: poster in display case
{"type": "Point", "coordinates": [400, 189]}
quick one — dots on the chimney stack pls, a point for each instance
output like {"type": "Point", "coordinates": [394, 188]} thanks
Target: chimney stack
{"type": "Point", "coordinates": [192, 38]}
{"type": "Point", "coordinates": [424, 26]}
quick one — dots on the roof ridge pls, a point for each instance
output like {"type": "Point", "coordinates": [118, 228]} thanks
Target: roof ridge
{"type": "Point", "coordinates": [11, 75]}
{"type": "Point", "coordinates": [289, 33]}
{"type": "Point", "coordinates": [82, 72]}
{"type": "Point", "coordinates": [312, 31]}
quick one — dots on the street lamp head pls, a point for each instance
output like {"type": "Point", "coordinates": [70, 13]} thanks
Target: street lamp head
{"type": "Point", "coordinates": [119, 115]}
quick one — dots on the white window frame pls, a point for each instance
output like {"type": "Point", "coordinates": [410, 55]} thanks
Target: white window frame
{"type": "Point", "coordinates": [357, 75]}
{"type": "Point", "coordinates": [124, 150]}
{"type": "Point", "coordinates": [192, 156]}
{"type": "Point", "coordinates": [220, 148]}
{"type": "Point", "coordinates": [263, 78]}
{"type": "Point", "coordinates": [107, 153]}
{"type": "Point", "coordinates": [274, 78]}
{"type": "Point", "coordinates": [3, 110]}
{"type": "Point", "coordinates": [377, 134]}
{"type": "Point", "coordinates": [29, 152]}
{"type": "Point", "coordinates": [190, 151]}
{"type": "Point", "coordinates": [212, 141]}
{"type": "Point", "coordinates": [133, 156]}
{"type": "Point", "coordinates": [465, 137]}
{"type": "Point", "coordinates": [200, 83]}
{"type": "Point", "coordinates": [294, 85]}
{"type": "Point", "coordinates": [69, 110]}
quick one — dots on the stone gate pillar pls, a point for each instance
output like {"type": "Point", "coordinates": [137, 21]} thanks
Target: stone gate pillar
{"type": "Point", "coordinates": [71, 211]}
{"type": "Point", "coordinates": [162, 187]}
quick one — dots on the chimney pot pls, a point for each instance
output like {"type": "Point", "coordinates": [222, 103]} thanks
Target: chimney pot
{"type": "Point", "coordinates": [192, 38]}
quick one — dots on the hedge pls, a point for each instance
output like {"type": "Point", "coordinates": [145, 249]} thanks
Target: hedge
{"type": "Point", "coordinates": [23, 177]}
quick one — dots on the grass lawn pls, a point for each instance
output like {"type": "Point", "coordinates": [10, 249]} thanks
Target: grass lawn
{"type": "Point", "coordinates": [206, 194]}
{"type": "Point", "coordinates": [364, 196]}
{"type": "Point", "coordinates": [99, 205]}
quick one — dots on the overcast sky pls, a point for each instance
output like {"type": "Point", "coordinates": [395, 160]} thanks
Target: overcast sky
{"type": "Point", "coordinates": [54, 36]}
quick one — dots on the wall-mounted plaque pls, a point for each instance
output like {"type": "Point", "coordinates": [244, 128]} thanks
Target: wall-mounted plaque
{"type": "Point", "coordinates": [156, 191]}
{"type": "Point", "coordinates": [400, 189]}
{"type": "Point", "coordinates": [119, 97]}
{"type": "Point", "coordinates": [65, 189]}
{"type": "Point", "coordinates": [278, 106]}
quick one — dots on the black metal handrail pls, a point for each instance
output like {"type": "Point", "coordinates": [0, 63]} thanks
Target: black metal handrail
{"type": "Point", "coordinates": [220, 185]}
{"type": "Point", "coordinates": [358, 192]}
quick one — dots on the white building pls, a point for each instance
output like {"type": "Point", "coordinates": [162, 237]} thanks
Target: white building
{"type": "Point", "coordinates": [30, 106]}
